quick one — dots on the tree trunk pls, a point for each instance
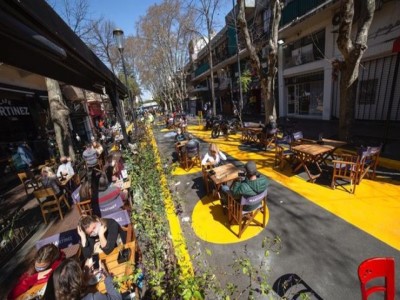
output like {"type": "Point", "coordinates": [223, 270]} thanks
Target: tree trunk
{"type": "Point", "coordinates": [352, 53]}
{"type": "Point", "coordinates": [59, 115]}
{"type": "Point", "coordinates": [267, 81]}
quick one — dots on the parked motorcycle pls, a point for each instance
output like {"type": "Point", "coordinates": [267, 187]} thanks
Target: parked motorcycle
{"type": "Point", "coordinates": [210, 122]}
{"type": "Point", "coordinates": [224, 127]}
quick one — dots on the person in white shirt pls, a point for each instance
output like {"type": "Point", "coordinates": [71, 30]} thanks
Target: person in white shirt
{"type": "Point", "coordinates": [213, 156]}
{"type": "Point", "coordinates": [65, 169]}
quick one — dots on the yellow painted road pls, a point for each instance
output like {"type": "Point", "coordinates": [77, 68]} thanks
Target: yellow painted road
{"type": "Point", "coordinates": [375, 208]}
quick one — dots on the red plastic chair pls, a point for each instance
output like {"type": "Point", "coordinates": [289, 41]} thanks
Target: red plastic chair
{"type": "Point", "coordinates": [375, 267]}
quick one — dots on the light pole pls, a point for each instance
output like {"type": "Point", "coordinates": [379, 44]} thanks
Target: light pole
{"type": "Point", "coordinates": [238, 60]}
{"type": "Point", "coordinates": [119, 41]}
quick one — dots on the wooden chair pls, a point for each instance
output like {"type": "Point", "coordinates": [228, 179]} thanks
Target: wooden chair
{"type": "Point", "coordinates": [351, 169]}
{"type": "Point", "coordinates": [283, 152]}
{"type": "Point", "coordinates": [346, 169]}
{"type": "Point", "coordinates": [267, 140]}
{"type": "Point", "coordinates": [29, 182]}
{"type": "Point", "coordinates": [191, 157]}
{"type": "Point", "coordinates": [85, 207]}
{"type": "Point", "coordinates": [373, 268]}
{"type": "Point", "coordinates": [239, 212]}
{"type": "Point", "coordinates": [370, 155]}
{"type": "Point", "coordinates": [49, 202]}
{"type": "Point", "coordinates": [297, 138]}
{"type": "Point", "coordinates": [65, 241]}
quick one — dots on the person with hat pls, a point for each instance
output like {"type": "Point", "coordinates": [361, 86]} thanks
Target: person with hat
{"type": "Point", "coordinates": [251, 184]}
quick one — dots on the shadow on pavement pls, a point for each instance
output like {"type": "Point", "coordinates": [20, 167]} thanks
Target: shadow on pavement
{"type": "Point", "coordinates": [291, 286]}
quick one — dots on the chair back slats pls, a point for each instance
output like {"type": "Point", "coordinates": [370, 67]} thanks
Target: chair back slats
{"type": "Point", "coordinates": [373, 268]}
{"type": "Point", "coordinates": [85, 207]}
{"type": "Point", "coordinates": [43, 194]}
{"type": "Point", "coordinates": [244, 218]}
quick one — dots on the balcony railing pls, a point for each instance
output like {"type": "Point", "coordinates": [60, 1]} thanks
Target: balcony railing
{"type": "Point", "coordinates": [201, 69]}
{"type": "Point", "coordinates": [298, 8]}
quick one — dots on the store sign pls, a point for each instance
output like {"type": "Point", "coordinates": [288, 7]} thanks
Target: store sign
{"type": "Point", "coordinates": [9, 109]}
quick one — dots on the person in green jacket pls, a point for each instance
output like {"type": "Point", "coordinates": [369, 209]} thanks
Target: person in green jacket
{"type": "Point", "coordinates": [252, 184]}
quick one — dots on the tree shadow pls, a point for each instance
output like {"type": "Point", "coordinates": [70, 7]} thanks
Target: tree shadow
{"type": "Point", "coordinates": [290, 286]}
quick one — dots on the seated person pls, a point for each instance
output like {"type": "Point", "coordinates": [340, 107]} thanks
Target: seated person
{"type": "Point", "coordinates": [192, 147]}
{"type": "Point", "coordinates": [69, 281]}
{"type": "Point", "coordinates": [98, 234]}
{"type": "Point", "coordinates": [179, 137]}
{"type": "Point", "coordinates": [90, 156]}
{"type": "Point", "coordinates": [49, 180]}
{"type": "Point", "coordinates": [251, 185]}
{"type": "Point", "coordinates": [271, 128]}
{"type": "Point", "coordinates": [46, 261]}
{"type": "Point", "coordinates": [183, 123]}
{"type": "Point", "coordinates": [65, 169]}
{"type": "Point", "coordinates": [114, 166]}
{"type": "Point", "coordinates": [98, 148]}
{"type": "Point", "coordinates": [109, 192]}
{"type": "Point", "coordinates": [213, 156]}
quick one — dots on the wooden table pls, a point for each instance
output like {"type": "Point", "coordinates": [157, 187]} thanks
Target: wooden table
{"type": "Point", "coordinates": [117, 270]}
{"type": "Point", "coordinates": [314, 154]}
{"type": "Point", "coordinates": [112, 265]}
{"type": "Point", "coordinates": [224, 174]}
{"type": "Point", "coordinates": [251, 134]}
{"type": "Point", "coordinates": [65, 181]}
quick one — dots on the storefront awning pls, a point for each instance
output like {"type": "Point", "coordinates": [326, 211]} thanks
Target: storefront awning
{"type": "Point", "coordinates": [34, 38]}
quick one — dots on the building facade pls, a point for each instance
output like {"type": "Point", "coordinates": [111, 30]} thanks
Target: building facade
{"type": "Point", "coordinates": [307, 85]}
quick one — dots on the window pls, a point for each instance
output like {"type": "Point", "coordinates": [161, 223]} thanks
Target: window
{"type": "Point", "coordinates": [305, 50]}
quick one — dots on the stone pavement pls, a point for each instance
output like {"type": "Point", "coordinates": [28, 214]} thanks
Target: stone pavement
{"type": "Point", "coordinates": [325, 234]}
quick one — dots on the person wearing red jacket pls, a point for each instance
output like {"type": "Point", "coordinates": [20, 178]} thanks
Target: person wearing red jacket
{"type": "Point", "coordinates": [47, 259]}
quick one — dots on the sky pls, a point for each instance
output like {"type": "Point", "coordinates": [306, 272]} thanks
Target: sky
{"type": "Point", "coordinates": [125, 14]}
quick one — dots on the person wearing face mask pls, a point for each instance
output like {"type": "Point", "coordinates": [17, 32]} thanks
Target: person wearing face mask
{"type": "Point", "coordinates": [47, 259]}
{"type": "Point", "coordinates": [98, 235]}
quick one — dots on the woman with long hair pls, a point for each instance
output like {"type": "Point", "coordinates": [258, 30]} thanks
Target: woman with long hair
{"type": "Point", "coordinates": [69, 281]}
{"type": "Point", "coordinates": [213, 156]}
{"type": "Point", "coordinates": [46, 260]}
{"type": "Point", "coordinates": [98, 234]}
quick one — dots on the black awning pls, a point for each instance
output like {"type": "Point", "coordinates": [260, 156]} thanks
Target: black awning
{"type": "Point", "coordinates": [33, 37]}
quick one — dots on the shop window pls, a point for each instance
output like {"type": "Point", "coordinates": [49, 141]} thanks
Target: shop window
{"type": "Point", "coordinates": [305, 95]}
{"type": "Point", "coordinates": [367, 91]}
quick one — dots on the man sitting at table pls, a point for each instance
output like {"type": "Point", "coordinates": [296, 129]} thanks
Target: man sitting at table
{"type": "Point", "coordinates": [251, 184]}
{"type": "Point", "coordinates": [65, 169]}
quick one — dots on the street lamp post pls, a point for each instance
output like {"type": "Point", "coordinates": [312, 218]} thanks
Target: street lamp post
{"type": "Point", "coordinates": [119, 41]}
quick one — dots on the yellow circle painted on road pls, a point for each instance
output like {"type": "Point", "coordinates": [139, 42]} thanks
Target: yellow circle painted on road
{"type": "Point", "coordinates": [211, 224]}
{"type": "Point", "coordinates": [178, 170]}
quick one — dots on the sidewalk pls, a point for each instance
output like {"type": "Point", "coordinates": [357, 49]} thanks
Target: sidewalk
{"type": "Point", "coordinates": [323, 232]}
{"type": "Point", "coordinates": [363, 133]}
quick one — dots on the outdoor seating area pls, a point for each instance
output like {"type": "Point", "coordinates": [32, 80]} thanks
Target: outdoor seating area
{"type": "Point", "coordinates": [58, 199]}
